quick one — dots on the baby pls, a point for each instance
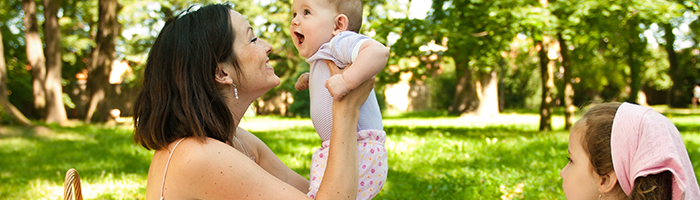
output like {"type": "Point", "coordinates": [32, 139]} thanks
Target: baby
{"type": "Point", "coordinates": [325, 31]}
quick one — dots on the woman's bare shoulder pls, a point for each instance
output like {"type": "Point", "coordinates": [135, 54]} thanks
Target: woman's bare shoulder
{"type": "Point", "coordinates": [211, 169]}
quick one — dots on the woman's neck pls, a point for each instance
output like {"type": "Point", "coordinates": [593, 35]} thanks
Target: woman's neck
{"type": "Point", "coordinates": [238, 107]}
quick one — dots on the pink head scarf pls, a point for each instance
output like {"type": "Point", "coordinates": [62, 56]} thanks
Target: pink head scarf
{"type": "Point", "coordinates": [644, 142]}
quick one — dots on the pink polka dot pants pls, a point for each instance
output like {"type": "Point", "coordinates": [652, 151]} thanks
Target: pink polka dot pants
{"type": "Point", "coordinates": [372, 159]}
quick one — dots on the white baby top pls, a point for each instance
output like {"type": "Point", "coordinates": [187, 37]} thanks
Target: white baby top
{"type": "Point", "coordinates": [342, 50]}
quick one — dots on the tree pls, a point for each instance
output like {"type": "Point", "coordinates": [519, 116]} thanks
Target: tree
{"type": "Point", "coordinates": [547, 75]}
{"type": "Point", "coordinates": [475, 34]}
{"type": "Point", "coordinates": [55, 111]}
{"type": "Point", "coordinates": [477, 31]}
{"type": "Point", "coordinates": [674, 68]}
{"type": "Point", "coordinates": [100, 91]}
{"type": "Point", "coordinates": [7, 107]}
{"type": "Point", "coordinates": [540, 27]}
{"type": "Point", "coordinates": [569, 107]}
{"type": "Point", "coordinates": [633, 53]}
{"type": "Point", "coordinates": [35, 56]}
{"type": "Point", "coordinates": [568, 23]}
{"type": "Point", "coordinates": [649, 12]}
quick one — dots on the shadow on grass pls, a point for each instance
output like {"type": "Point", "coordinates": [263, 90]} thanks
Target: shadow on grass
{"type": "Point", "coordinates": [297, 142]}
{"type": "Point", "coordinates": [45, 154]}
{"type": "Point", "coordinates": [688, 127]}
{"type": "Point", "coordinates": [462, 132]}
{"type": "Point", "coordinates": [418, 114]}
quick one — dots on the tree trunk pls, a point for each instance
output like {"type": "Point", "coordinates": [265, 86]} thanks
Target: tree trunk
{"type": "Point", "coordinates": [35, 57]}
{"type": "Point", "coordinates": [55, 110]}
{"type": "Point", "coordinates": [635, 67]}
{"type": "Point", "coordinates": [5, 106]}
{"type": "Point", "coordinates": [547, 74]}
{"type": "Point", "coordinates": [100, 91]}
{"type": "Point", "coordinates": [463, 100]}
{"type": "Point", "coordinates": [569, 107]}
{"type": "Point", "coordinates": [675, 90]}
{"type": "Point", "coordinates": [487, 93]}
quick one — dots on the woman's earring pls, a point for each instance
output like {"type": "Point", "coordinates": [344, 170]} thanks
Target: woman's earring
{"type": "Point", "coordinates": [600, 195]}
{"type": "Point", "coordinates": [235, 91]}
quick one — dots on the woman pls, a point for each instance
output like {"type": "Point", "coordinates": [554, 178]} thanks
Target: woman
{"type": "Point", "coordinates": [204, 70]}
{"type": "Point", "coordinates": [626, 151]}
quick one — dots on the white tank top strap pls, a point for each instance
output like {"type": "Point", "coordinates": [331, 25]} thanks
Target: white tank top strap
{"type": "Point", "coordinates": [165, 172]}
{"type": "Point", "coordinates": [244, 149]}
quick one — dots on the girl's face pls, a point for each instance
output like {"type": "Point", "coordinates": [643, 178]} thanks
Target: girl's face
{"type": "Point", "coordinates": [312, 25]}
{"type": "Point", "coordinates": [258, 76]}
{"type": "Point", "coordinates": [579, 179]}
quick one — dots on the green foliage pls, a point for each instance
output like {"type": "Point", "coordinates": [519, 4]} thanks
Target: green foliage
{"type": "Point", "coordinates": [19, 79]}
{"type": "Point", "coordinates": [521, 88]}
{"type": "Point", "coordinates": [5, 118]}
{"type": "Point", "coordinates": [476, 33]}
{"type": "Point", "coordinates": [445, 85]}
{"type": "Point", "coordinates": [605, 38]}
{"type": "Point", "coordinates": [655, 75]}
{"type": "Point", "coordinates": [301, 106]}
{"type": "Point", "coordinates": [78, 25]}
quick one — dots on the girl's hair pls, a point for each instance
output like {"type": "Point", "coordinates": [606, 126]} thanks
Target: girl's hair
{"type": "Point", "coordinates": [596, 143]}
{"type": "Point", "coordinates": [179, 96]}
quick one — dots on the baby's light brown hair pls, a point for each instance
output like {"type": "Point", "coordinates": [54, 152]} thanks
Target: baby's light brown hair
{"type": "Point", "coordinates": [352, 9]}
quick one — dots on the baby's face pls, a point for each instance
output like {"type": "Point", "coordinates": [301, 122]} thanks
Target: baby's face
{"type": "Point", "coordinates": [312, 25]}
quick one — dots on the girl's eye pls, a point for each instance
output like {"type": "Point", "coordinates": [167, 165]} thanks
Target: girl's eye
{"type": "Point", "coordinates": [306, 12]}
{"type": "Point", "coordinates": [569, 158]}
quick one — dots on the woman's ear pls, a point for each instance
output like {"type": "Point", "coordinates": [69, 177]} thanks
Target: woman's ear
{"type": "Point", "coordinates": [607, 182]}
{"type": "Point", "coordinates": [340, 24]}
{"type": "Point", "coordinates": [221, 76]}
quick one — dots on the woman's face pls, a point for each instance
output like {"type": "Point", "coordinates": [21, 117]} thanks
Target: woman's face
{"type": "Point", "coordinates": [258, 76]}
{"type": "Point", "coordinates": [579, 179]}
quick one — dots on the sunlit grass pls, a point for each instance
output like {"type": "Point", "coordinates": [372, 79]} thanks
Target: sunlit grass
{"type": "Point", "coordinates": [110, 186]}
{"type": "Point", "coordinates": [444, 157]}
{"type": "Point", "coordinates": [34, 162]}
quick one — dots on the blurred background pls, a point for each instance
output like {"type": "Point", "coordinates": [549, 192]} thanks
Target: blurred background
{"type": "Point", "coordinates": [84, 58]}
{"type": "Point", "coordinates": [75, 67]}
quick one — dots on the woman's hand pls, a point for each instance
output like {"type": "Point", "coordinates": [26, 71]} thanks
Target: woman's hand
{"type": "Point", "coordinates": [302, 82]}
{"type": "Point", "coordinates": [359, 95]}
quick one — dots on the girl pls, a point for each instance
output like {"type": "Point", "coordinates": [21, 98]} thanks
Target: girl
{"type": "Point", "coordinates": [626, 151]}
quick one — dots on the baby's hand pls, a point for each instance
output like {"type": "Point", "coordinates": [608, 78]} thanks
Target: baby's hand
{"type": "Point", "coordinates": [302, 82]}
{"type": "Point", "coordinates": [337, 87]}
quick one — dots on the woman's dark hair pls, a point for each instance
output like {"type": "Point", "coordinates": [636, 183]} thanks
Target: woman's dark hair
{"type": "Point", "coordinates": [179, 96]}
{"type": "Point", "coordinates": [596, 143]}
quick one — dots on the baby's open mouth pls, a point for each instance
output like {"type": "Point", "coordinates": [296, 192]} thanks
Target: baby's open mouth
{"type": "Point", "coordinates": [300, 37]}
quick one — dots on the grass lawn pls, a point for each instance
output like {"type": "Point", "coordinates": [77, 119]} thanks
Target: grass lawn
{"type": "Point", "coordinates": [503, 157]}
